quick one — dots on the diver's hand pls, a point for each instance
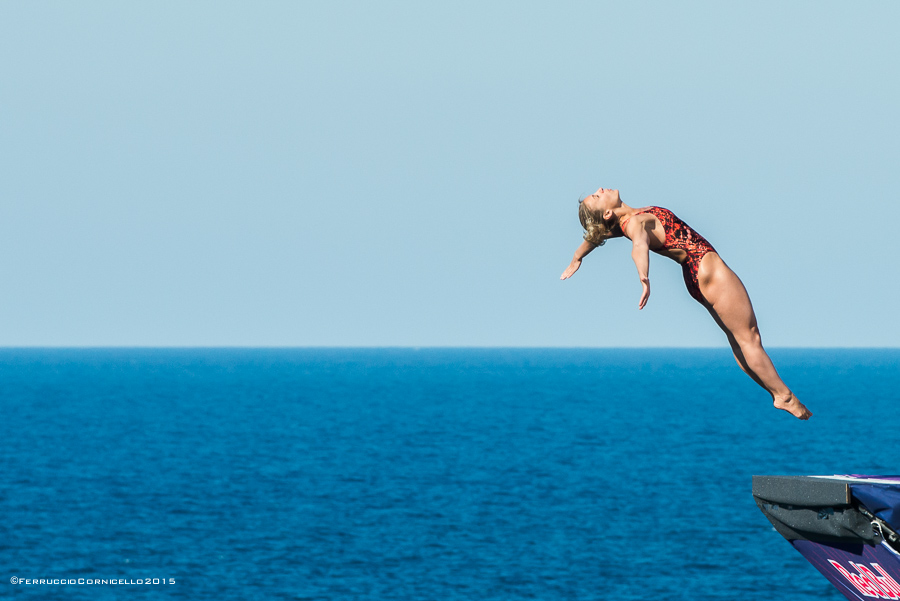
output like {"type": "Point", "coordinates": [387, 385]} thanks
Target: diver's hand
{"type": "Point", "coordinates": [645, 295]}
{"type": "Point", "coordinates": [571, 269]}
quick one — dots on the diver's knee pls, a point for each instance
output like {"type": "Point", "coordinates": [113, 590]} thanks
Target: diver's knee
{"type": "Point", "coordinates": [749, 339]}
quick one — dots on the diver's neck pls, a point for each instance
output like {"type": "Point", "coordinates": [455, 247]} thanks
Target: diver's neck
{"type": "Point", "coordinates": [623, 210]}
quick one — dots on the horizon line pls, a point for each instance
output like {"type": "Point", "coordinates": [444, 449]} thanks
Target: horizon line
{"type": "Point", "coordinates": [411, 347]}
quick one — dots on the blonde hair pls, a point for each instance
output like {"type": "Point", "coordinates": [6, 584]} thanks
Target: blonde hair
{"type": "Point", "coordinates": [597, 229]}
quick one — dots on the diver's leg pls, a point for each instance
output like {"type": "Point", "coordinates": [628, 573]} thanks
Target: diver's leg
{"type": "Point", "coordinates": [729, 303]}
{"type": "Point", "coordinates": [739, 355]}
{"type": "Point", "coordinates": [735, 348]}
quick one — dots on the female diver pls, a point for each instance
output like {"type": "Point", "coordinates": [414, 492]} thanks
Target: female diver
{"type": "Point", "coordinates": [709, 280]}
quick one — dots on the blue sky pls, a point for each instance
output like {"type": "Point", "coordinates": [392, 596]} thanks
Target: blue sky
{"type": "Point", "coordinates": [406, 173]}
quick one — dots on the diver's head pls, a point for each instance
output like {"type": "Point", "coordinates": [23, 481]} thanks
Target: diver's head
{"type": "Point", "coordinates": [597, 216]}
{"type": "Point", "coordinates": [603, 201]}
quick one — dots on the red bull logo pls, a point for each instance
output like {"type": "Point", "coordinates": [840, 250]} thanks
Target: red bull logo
{"type": "Point", "coordinates": [867, 582]}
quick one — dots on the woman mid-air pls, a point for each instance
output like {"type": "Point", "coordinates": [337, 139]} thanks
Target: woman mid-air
{"type": "Point", "coordinates": [709, 280]}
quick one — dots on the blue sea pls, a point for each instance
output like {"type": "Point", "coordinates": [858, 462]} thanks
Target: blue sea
{"type": "Point", "coordinates": [420, 474]}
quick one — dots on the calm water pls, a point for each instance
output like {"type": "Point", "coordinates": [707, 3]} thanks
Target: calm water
{"type": "Point", "coordinates": [421, 474]}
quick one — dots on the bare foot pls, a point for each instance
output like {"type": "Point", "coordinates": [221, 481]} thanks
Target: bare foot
{"type": "Point", "coordinates": [792, 405]}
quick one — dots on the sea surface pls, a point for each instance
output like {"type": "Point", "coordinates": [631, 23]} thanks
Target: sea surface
{"type": "Point", "coordinates": [431, 474]}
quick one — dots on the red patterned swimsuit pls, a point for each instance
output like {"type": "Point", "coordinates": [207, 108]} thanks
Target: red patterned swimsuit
{"type": "Point", "coordinates": [680, 235]}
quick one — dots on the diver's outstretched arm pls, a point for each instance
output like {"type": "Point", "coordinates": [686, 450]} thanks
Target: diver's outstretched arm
{"type": "Point", "coordinates": [640, 253]}
{"type": "Point", "coordinates": [582, 251]}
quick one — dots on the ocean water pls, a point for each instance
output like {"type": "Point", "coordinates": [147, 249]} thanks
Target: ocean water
{"type": "Point", "coordinates": [433, 474]}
